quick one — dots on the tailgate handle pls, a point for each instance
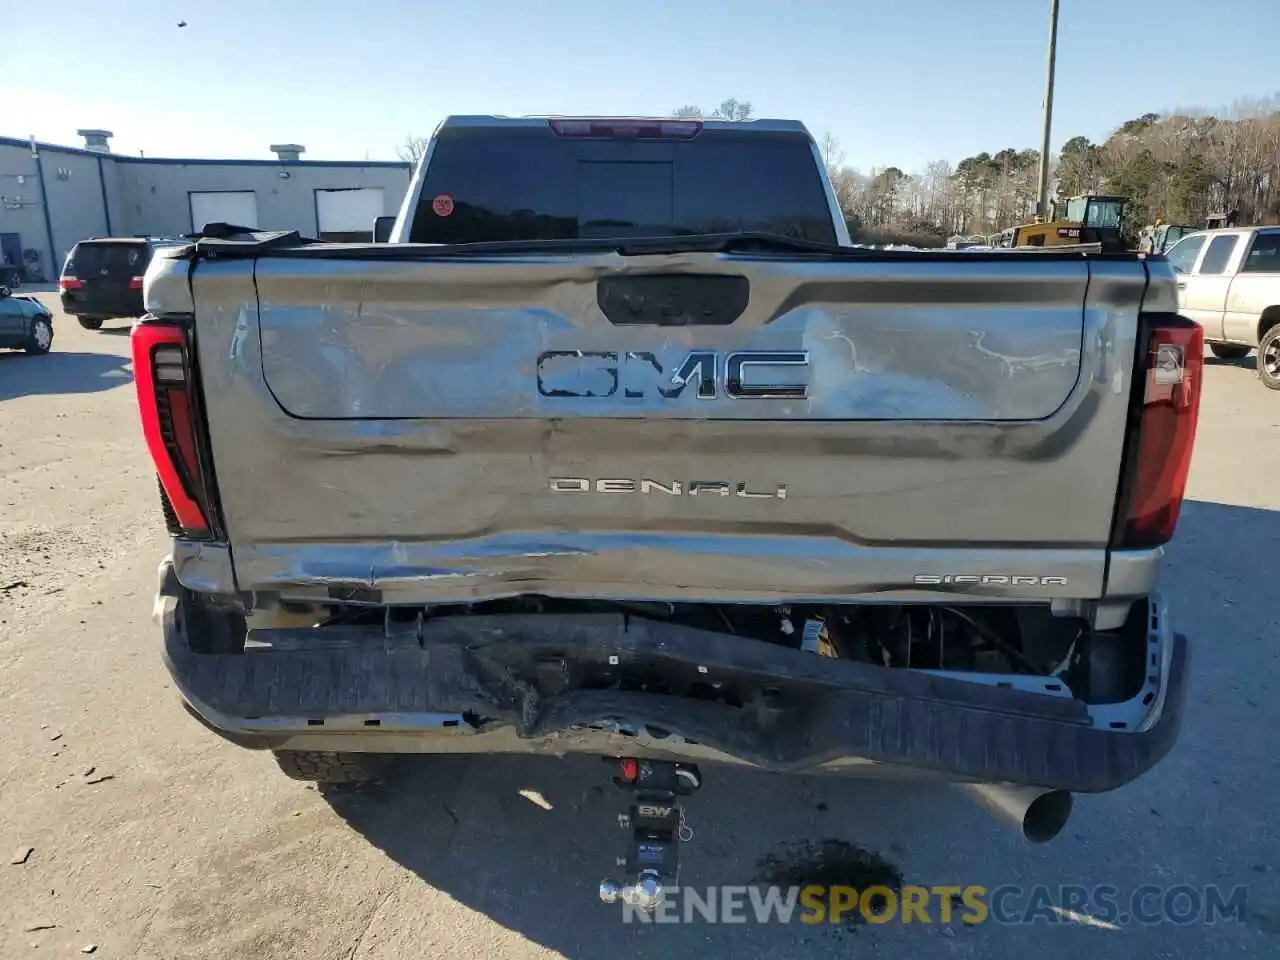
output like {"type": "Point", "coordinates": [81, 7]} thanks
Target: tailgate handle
{"type": "Point", "coordinates": [674, 300]}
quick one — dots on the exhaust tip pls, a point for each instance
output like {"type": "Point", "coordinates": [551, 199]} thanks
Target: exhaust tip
{"type": "Point", "coordinates": [1038, 814]}
{"type": "Point", "coordinates": [1047, 816]}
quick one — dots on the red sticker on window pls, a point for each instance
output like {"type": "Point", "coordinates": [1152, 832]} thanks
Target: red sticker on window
{"type": "Point", "coordinates": [442, 205]}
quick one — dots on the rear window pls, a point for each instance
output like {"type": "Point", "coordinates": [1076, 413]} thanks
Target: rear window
{"type": "Point", "coordinates": [528, 184]}
{"type": "Point", "coordinates": [1264, 255]}
{"type": "Point", "coordinates": [108, 259]}
{"type": "Point", "coordinates": [1218, 255]}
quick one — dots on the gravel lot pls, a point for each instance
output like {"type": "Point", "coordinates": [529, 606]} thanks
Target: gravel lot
{"type": "Point", "coordinates": [153, 839]}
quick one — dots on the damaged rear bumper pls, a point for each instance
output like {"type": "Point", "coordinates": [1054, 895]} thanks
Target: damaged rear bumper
{"type": "Point", "coordinates": [499, 685]}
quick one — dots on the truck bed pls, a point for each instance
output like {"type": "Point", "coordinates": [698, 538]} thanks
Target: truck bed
{"type": "Point", "coordinates": [423, 425]}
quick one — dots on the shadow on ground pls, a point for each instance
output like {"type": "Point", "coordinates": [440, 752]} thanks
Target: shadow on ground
{"type": "Point", "coordinates": [52, 373]}
{"type": "Point", "coordinates": [1219, 571]}
{"type": "Point", "coordinates": [479, 830]}
{"type": "Point", "coordinates": [1248, 363]}
{"type": "Point", "coordinates": [532, 861]}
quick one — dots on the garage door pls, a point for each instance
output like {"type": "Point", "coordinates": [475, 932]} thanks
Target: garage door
{"type": "Point", "coordinates": [347, 216]}
{"type": "Point", "coordinates": [216, 206]}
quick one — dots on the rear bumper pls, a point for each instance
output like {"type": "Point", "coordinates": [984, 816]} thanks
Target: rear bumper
{"type": "Point", "coordinates": [496, 685]}
{"type": "Point", "coordinates": [74, 308]}
{"type": "Point", "coordinates": [129, 306]}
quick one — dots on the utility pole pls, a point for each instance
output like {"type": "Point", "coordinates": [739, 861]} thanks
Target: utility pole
{"type": "Point", "coordinates": [1042, 205]}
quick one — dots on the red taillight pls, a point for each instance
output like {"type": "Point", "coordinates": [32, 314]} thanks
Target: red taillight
{"type": "Point", "coordinates": [135, 283]}
{"type": "Point", "coordinates": [70, 283]}
{"type": "Point", "coordinates": [1160, 454]}
{"type": "Point", "coordinates": [628, 129]}
{"type": "Point", "coordinates": [160, 372]}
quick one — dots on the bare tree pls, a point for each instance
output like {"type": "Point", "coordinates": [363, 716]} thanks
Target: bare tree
{"type": "Point", "coordinates": [733, 110]}
{"type": "Point", "coordinates": [1181, 165]}
{"type": "Point", "coordinates": [832, 152]}
{"type": "Point", "coordinates": [728, 110]}
{"type": "Point", "coordinates": [851, 194]}
{"type": "Point", "coordinates": [412, 149]}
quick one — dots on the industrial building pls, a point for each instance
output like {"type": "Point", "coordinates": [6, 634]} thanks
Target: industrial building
{"type": "Point", "coordinates": [52, 196]}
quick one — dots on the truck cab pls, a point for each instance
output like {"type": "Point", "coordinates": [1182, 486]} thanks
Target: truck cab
{"type": "Point", "coordinates": [1229, 282]}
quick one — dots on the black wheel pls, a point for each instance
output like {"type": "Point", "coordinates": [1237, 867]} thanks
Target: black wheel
{"type": "Point", "coordinates": [1269, 358]}
{"type": "Point", "coordinates": [90, 323]}
{"type": "Point", "coordinates": [41, 337]}
{"type": "Point", "coordinates": [323, 766]}
{"type": "Point", "coordinates": [1229, 351]}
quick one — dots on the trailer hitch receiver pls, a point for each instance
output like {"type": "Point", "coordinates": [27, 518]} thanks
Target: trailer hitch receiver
{"type": "Point", "coordinates": [655, 827]}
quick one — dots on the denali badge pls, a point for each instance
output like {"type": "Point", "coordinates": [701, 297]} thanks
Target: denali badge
{"type": "Point", "coordinates": [582, 374]}
{"type": "Point", "coordinates": [672, 488]}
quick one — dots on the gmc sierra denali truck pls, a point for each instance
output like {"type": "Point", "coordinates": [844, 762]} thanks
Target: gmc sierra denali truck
{"type": "Point", "coordinates": [620, 447]}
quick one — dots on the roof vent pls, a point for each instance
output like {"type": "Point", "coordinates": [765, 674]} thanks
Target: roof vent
{"type": "Point", "coordinates": [288, 151]}
{"type": "Point", "coordinates": [96, 140]}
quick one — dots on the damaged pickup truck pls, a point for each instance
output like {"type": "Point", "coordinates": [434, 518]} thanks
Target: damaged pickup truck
{"type": "Point", "coordinates": [620, 447]}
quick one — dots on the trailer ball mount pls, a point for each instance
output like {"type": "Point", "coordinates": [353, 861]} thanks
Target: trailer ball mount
{"type": "Point", "coordinates": [655, 826]}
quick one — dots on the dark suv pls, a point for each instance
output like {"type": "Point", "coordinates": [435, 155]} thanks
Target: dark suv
{"type": "Point", "coordinates": [102, 278]}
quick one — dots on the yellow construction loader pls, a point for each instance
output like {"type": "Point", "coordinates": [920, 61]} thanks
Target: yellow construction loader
{"type": "Point", "coordinates": [1088, 219]}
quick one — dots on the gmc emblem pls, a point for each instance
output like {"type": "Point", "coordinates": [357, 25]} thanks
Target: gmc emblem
{"type": "Point", "coordinates": [744, 375]}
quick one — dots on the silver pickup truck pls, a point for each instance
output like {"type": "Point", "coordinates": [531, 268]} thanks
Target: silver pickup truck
{"type": "Point", "coordinates": [1229, 283]}
{"type": "Point", "coordinates": [619, 447]}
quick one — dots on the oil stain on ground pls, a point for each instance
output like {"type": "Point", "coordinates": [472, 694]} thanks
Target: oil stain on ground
{"type": "Point", "coordinates": [828, 863]}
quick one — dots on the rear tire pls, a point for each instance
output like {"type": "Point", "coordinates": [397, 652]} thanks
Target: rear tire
{"type": "Point", "coordinates": [1269, 358]}
{"type": "Point", "coordinates": [90, 323]}
{"type": "Point", "coordinates": [324, 766]}
{"type": "Point", "coordinates": [41, 338]}
{"type": "Point", "coordinates": [1229, 351]}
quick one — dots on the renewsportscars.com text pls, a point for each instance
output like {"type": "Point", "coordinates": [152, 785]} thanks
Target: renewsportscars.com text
{"type": "Point", "coordinates": [1103, 905]}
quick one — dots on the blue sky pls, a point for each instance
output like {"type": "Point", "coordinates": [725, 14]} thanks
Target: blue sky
{"type": "Point", "coordinates": [898, 81]}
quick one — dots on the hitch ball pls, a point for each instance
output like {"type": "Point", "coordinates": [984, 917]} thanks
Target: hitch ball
{"type": "Point", "coordinates": [646, 894]}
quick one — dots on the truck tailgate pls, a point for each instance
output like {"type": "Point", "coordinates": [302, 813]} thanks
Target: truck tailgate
{"type": "Point", "coordinates": [683, 426]}
{"type": "Point", "coordinates": [903, 341]}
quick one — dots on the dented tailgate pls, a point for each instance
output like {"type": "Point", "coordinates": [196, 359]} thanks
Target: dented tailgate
{"type": "Point", "coordinates": [683, 337]}
{"type": "Point", "coordinates": [681, 426]}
